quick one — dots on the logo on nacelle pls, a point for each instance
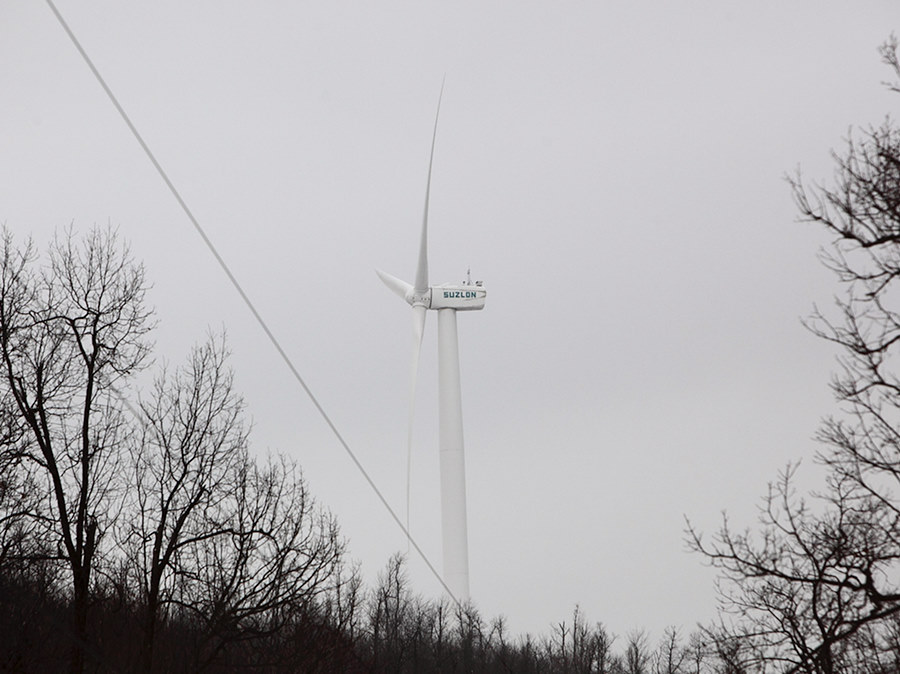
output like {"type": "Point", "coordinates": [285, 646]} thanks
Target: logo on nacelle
{"type": "Point", "coordinates": [460, 294]}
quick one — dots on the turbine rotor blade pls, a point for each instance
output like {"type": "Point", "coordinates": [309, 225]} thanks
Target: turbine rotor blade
{"type": "Point", "coordinates": [421, 284]}
{"type": "Point", "coordinates": [418, 332]}
{"type": "Point", "coordinates": [401, 288]}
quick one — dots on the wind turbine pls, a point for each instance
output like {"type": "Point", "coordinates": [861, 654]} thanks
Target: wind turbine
{"type": "Point", "coordinates": [446, 299]}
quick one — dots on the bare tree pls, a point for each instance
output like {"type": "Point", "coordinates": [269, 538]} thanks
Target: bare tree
{"type": "Point", "coordinates": [389, 609]}
{"type": "Point", "coordinates": [558, 649]}
{"type": "Point", "coordinates": [637, 653]}
{"type": "Point", "coordinates": [670, 656]}
{"type": "Point", "coordinates": [498, 642]}
{"type": "Point", "coordinates": [798, 588]}
{"type": "Point", "coordinates": [276, 561]}
{"type": "Point", "coordinates": [579, 648]}
{"type": "Point", "coordinates": [183, 463]}
{"type": "Point", "coordinates": [68, 334]}
{"type": "Point", "coordinates": [469, 635]}
{"type": "Point", "coordinates": [343, 603]}
{"type": "Point", "coordinates": [441, 639]}
{"type": "Point", "coordinates": [696, 653]}
{"type": "Point", "coordinates": [820, 573]}
{"type": "Point", "coordinates": [20, 501]}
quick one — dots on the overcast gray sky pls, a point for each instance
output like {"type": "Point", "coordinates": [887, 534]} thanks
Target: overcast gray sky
{"type": "Point", "coordinates": [613, 171]}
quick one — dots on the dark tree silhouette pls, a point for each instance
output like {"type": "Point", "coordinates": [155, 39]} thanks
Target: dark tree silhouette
{"type": "Point", "coordinates": [68, 333]}
{"type": "Point", "coordinates": [182, 463]}
{"type": "Point", "coordinates": [276, 560]}
{"type": "Point", "coordinates": [820, 573]}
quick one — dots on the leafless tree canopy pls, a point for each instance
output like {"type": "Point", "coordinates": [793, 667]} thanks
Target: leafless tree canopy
{"type": "Point", "coordinates": [68, 332]}
{"type": "Point", "coordinates": [814, 587]}
{"type": "Point", "coordinates": [153, 500]}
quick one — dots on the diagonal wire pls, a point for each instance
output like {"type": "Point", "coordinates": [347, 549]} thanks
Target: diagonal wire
{"type": "Point", "coordinates": [237, 286]}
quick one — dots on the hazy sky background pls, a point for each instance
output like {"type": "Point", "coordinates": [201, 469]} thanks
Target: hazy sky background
{"type": "Point", "coordinates": [613, 171]}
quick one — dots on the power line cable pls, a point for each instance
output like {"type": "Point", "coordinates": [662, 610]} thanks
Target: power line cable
{"type": "Point", "coordinates": [237, 286]}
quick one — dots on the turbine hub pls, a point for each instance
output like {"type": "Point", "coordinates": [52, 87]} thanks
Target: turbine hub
{"type": "Point", "coordinates": [417, 299]}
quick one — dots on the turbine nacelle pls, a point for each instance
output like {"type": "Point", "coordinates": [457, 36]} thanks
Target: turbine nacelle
{"type": "Point", "coordinates": [461, 297]}
{"type": "Point", "coordinates": [465, 297]}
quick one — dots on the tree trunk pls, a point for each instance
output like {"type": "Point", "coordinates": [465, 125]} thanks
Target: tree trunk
{"type": "Point", "coordinates": [79, 624]}
{"type": "Point", "coordinates": [149, 638]}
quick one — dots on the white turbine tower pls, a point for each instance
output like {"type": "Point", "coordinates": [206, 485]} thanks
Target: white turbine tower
{"type": "Point", "coordinates": [446, 299]}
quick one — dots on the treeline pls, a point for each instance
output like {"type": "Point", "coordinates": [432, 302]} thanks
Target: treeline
{"type": "Point", "coordinates": [138, 533]}
{"type": "Point", "coordinates": [151, 499]}
{"type": "Point", "coordinates": [387, 628]}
